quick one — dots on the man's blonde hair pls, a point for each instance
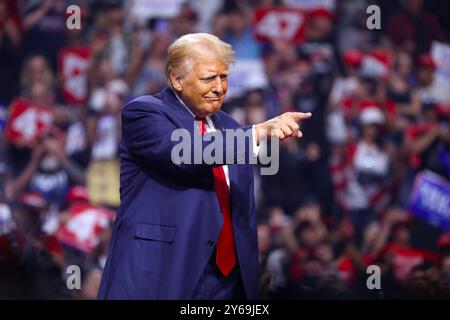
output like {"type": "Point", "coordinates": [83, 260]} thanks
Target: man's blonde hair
{"type": "Point", "coordinates": [183, 50]}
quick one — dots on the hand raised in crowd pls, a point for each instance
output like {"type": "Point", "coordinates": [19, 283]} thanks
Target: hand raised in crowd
{"type": "Point", "coordinates": [47, 4]}
{"type": "Point", "coordinates": [54, 146]}
{"type": "Point", "coordinates": [38, 152]}
{"type": "Point", "coordinates": [395, 215]}
{"type": "Point", "coordinates": [14, 186]}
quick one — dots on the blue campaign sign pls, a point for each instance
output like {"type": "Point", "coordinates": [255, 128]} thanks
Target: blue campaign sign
{"type": "Point", "coordinates": [430, 199]}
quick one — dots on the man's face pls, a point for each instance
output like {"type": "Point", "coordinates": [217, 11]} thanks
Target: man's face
{"type": "Point", "coordinates": [204, 87]}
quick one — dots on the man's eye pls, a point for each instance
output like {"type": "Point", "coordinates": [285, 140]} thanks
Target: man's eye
{"type": "Point", "coordinates": [223, 77]}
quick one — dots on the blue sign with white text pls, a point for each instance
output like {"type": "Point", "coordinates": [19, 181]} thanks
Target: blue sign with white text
{"type": "Point", "coordinates": [430, 199]}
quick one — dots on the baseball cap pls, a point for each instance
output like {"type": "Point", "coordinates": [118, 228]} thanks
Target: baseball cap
{"type": "Point", "coordinates": [77, 193]}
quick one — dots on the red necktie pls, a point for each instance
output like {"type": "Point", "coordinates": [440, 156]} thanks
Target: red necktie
{"type": "Point", "coordinates": [225, 254]}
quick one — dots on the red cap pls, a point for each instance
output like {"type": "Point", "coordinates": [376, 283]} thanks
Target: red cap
{"type": "Point", "coordinates": [426, 61]}
{"type": "Point", "coordinates": [353, 57]}
{"type": "Point", "coordinates": [77, 193]}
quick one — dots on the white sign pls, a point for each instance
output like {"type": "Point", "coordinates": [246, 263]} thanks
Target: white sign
{"type": "Point", "coordinates": [75, 82]}
{"type": "Point", "coordinates": [144, 9]}
{"type": "Point", "coordinates": [441, 56]}
{"type": "Point", "coordinates": [280, 25]}
{"type": "Point", "coordinates": [311, 4]}
{"type": "Point", "coordinates": [246, 74]}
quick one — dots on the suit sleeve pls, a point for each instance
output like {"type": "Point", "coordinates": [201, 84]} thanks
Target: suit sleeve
{"type": "Point", "coordinates": [147, 134]}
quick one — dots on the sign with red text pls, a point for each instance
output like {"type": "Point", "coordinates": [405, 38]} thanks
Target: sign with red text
{"type": "Point", "coordinates": [280, 24]}
{"type": "Point", "coordinates": [73, 67]}
{"type": "Point", "coordinates": [28, 122]}
{"type": "Point", "coordinates": [84, 227]}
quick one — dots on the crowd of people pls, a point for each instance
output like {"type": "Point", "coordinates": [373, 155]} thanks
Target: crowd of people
{"type": "Point", "coordinates": [342, 199]}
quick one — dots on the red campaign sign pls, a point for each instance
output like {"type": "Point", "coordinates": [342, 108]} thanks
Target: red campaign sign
{"type": "Point", "coordinates": [83, 228]}
{"type": "Point", "coordinates": [73, 67]}
{"type": "Point", "coordinates": [28, 122]}
{"type": "Point", "coordinates": [285, 24]}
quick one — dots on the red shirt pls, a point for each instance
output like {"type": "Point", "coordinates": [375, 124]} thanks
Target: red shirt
{"type": "Point", "coordinates": [406, 258]}
{"type": "Point", "coordinates": [347, 271]}
{"type": "Point", "coordinates": [412, 133]}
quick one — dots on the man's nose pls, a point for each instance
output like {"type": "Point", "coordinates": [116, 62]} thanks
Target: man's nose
{"type": "Point", "coordinates": [218, 87]}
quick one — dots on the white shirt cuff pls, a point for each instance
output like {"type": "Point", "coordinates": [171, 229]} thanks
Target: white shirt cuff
{"type": "Point", "coordinates": [256, 148]}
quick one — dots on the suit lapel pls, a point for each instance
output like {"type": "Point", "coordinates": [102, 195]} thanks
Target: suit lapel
{"type": "Point", "coordinates": [183, 115]}
{"type": "Point", "coordinates": [169, 98]}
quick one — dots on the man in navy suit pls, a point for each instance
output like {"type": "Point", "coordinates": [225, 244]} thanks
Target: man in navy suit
{"type": "Point", "coordinates": [183, 230]}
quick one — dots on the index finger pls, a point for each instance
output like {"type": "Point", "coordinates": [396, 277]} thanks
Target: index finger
{"type": "Point", "coordinates": [300, 115]}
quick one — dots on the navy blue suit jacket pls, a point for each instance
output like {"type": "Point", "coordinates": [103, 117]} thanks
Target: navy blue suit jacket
{"type": "Point", "coordinates": [169, 219]}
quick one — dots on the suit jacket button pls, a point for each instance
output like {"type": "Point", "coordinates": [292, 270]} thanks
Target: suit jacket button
{"type": "Point", "coordinates": [210, 243]}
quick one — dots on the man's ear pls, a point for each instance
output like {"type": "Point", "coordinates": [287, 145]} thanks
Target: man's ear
{"type": "Point", "coordinates": [176, 81]}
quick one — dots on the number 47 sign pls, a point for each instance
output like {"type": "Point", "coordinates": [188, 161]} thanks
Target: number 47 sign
{"type": "Point", "coordinates": [28, 122]}
{"type": "Point", "coordinates": [84, 226]}
{"type": "Point", "coordinates": [285, 24]}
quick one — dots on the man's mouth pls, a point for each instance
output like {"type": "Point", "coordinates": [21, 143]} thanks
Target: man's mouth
{"type": "Point", "coordinates": [213, 98]}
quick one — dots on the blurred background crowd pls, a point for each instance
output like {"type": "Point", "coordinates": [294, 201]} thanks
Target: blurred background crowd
{"type": "Point", "coordinates": [368, 184]}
